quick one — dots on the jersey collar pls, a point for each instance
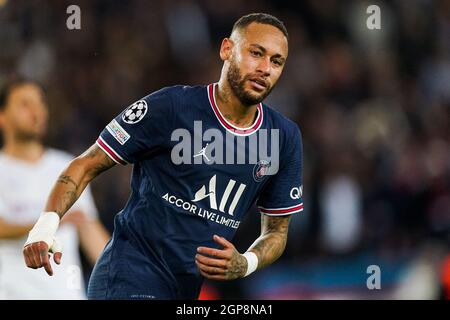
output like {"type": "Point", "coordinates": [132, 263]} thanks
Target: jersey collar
{"type": "Point", "coordinates": [225, 123]}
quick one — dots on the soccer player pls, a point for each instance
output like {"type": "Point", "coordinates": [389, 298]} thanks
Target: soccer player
{"type": "Point", "coordinates": [27, 173]}
{"type": "Point", "coordinates": [188, 197]}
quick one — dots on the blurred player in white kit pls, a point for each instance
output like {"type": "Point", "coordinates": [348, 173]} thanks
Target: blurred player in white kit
{"type": "Point", "coordinates": [27, 173]}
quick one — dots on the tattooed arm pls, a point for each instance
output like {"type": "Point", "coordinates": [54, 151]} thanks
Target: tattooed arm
{"type": "Point", "coordinates": [74, 179]}
{"type": "Point", "coordinates": [69, 186]}
{"type": "Point", "coordinates": [229, 264]}
{"type": "Point", "coordinates": [272, 241]}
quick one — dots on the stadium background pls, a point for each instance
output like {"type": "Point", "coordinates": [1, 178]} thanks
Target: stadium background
{"type": "Point", "coordinates": [373, 107]}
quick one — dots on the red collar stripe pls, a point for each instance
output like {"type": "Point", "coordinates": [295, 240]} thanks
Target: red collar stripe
{"type": "Point", "coordinates": [239, 131]}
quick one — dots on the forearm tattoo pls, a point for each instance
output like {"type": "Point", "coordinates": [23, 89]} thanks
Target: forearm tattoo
{"type": "Point", "coordinates": [68, 200]}
{"type": "Point", "coordinates": [74, 185]}
{"type": "Point", "coordinates": [238, 266]}
{"type": "Point", "coordinates": [103, 163]}
{"type": "Point", "coordinates": [270, 245]}
{"type": "Point", "coordinates": [69, 196]}
{"type": "Point", "coordinates": [66, 180]}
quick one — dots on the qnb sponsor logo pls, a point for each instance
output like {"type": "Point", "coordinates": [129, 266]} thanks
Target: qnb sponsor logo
{"type": "Point", "coordinates": [296, 193]}
{"type": "Point", "coordinates": [212, 146]}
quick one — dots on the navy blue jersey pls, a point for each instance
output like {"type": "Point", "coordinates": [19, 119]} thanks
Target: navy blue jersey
{"type": "Point", "coordinates": [196, 175]}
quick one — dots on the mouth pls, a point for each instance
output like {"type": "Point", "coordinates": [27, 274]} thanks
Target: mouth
{"type": "Point", "coordinates": [259, 84]}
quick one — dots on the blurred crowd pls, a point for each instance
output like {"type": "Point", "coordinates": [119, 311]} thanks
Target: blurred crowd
{"type": "Point", "coordinates": [373, 106]}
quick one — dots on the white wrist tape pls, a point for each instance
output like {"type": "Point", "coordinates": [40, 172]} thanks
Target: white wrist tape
{"type": "Point", "coordinates": [45, 230]}
{"type": "Point", "coordinates": [252, 262]}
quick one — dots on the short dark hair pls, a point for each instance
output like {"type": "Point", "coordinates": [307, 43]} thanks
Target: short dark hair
{"type": "Point", "coordinates": [263, 18]}
{"type": "Point", "coordinates": [10, 85]}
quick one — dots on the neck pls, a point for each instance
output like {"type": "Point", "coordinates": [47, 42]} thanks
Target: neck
{"type": "Point", "coordinates": [231, 108]}
{"type": "Point", "coordinates": [30, 150]}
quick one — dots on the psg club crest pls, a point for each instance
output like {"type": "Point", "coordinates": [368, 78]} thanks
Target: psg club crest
{"type": "Point", "coordinates": [135, 113]}
{"type": "Point", "coordinates": [260, 170]}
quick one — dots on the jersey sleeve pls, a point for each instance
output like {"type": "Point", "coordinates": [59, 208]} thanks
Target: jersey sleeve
{"type": "Point", "coordinates": [283, 193]}
{"type": "Point", "coordinates": [139, 129]}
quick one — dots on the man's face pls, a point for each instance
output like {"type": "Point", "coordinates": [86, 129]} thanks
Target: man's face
{"type": "Point", "coordinates": [25, 114]}
{"type": "Point", "coordinates": [257, 59]}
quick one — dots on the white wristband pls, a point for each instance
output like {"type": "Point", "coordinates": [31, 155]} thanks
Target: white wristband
{"type": "Point", "coordinates": [45, 229]}
{"type": "Point", "coordinates": [252, 262]}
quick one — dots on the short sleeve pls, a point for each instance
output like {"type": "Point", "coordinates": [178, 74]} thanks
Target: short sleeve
{"type": "Point", "coordinates": [140, 128]}
{"type": "Point", "coordinates": [283, 193]}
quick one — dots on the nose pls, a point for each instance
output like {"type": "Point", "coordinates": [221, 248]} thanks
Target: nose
{"type": "Point", "coordinates": [264, 66]}
{"type": "Point", "coordinates": [39, 111]}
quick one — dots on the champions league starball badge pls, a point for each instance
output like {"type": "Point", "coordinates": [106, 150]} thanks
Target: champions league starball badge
{"type": "Point", "coordinates": [135, 113]}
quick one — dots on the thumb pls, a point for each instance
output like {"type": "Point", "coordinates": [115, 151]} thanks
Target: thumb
{"type": "Point", "coordinates": [56, 248]}
{"type": "Point", "coordinates": [57, 257]}
{"type": "Point", "coordinates": [222, 241]}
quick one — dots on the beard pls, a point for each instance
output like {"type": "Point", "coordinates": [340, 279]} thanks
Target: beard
{"type": "Point", "coordinates": [26, 136]}
{"type": "Point", "coordinates": [237, 83]}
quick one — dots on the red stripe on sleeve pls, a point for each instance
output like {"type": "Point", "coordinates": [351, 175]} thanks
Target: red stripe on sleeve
{"type": "Point", "coordinates": [110, 152]}
{"type": "Point", "coordinates": [282, 211]}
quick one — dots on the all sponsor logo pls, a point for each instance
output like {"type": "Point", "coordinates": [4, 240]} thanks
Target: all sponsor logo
{"type": "Point", "coordinates": [210, 193]}
{"type": "Point", "coordinates": [227, 202]}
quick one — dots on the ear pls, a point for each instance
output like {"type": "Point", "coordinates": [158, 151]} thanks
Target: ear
{"type": "Point", "coordinates": [226, 49]}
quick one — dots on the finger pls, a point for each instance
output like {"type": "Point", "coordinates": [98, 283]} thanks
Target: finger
{"type": "Point", "coordinates": [31, 258]}
{"type": "Point", "coordinates": [215, 276]}
{"type": "Point", "coordinates": [25, 257]}
{"type": "Point", "coordinates": [48, 268]}
{"type": "Point", "coordinates": [210, 270]}
{"type": "Point", "coordinates": [211, 262]}
{"type": "Point", "coordinates": [222, 241]}
{"type": "Point", "coordinates": [37, 253]}
{"type": "Point", "coordinates": [37, 248]}
{"type": "Point", "coordinates": [213, 252]}
{"type": "Point", "coordinates": [43, 253]}
{"type": "Point", "coordinates": [212, 277]}
{"type": "Point", "coordinates": [34, 256]}
{"type": "Point", "coordinates": [26, 254]}
{"type": "Point", "coordinates": [57, 257]}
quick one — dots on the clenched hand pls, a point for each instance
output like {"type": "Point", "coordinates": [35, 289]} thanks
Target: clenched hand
{"type": "Point", "coordinates": [37, 255]}
{"type": "Point", "coordinates": [224, 264]}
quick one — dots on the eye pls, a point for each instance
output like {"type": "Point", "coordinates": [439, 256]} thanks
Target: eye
{"type": "Point", "coordinates": [256, 53]}
{"type": "Point", "coordinates": [278, 63]}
